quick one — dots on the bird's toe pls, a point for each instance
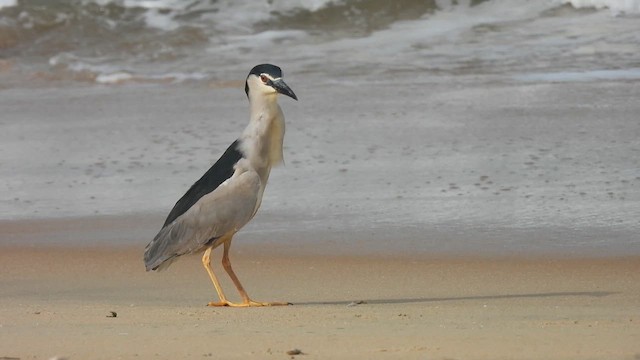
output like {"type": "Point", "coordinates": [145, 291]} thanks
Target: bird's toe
{"type": "Point", "coordinates": [275, 303]}
{"type": "Point", "coordinates": [220, 303]}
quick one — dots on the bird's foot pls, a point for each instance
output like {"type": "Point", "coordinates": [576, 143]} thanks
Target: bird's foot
{"type": "Point", "coordinates": [221, 303]}
{"type": "Point", "coordinates": [257, 303]}
{"type": "Point", "coordinates": [249, 303]}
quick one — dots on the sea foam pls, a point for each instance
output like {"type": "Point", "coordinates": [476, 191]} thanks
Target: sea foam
{"type": "Point", "coordinates": [616, 6]}
{"type": "Point", "coordinates": [8, 3]}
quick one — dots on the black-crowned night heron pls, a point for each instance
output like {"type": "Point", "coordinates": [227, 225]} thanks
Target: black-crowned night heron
{"type": "Point", "coordinates": [228, 195]}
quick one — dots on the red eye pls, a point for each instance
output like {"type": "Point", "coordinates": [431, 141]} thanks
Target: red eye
{"type": "Point", "coordinates": [264, 78]}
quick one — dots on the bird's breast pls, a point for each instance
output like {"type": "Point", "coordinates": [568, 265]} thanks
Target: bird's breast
{"type": "Point", "coordinates": [262, 142]}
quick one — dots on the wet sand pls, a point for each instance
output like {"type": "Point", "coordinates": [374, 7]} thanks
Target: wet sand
{"type": "Point", "coordinates": [474, 166]}
{"type": "Point", "coordinates": [57, 301]}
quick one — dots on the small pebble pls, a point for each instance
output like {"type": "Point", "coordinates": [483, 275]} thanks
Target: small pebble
{"type": "Point", "coordinates": [295, 352]}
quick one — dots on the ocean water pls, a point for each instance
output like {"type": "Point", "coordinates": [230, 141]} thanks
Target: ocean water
{"type": "Point", "coordinates": [498, 126]}
{"type": "Point", "coordinates": [114, 41]}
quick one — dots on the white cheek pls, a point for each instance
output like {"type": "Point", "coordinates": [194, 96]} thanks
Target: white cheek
{"type": "Point", "coordinates": [266, 89]}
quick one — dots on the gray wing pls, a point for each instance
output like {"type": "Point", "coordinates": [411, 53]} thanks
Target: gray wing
{"type": "Point", "coordinates": [223, 211]}
{"type": "Point", "coordinates": [221, 171]}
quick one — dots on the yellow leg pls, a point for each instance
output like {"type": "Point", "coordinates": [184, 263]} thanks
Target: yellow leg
{"type": "Point", "coordinates": [206, 262]}
{"type": "Point", "coordinates": [246, 301]}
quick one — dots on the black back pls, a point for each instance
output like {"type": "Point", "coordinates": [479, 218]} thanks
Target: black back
{"type": "Point", "coordinates": [216, 175]}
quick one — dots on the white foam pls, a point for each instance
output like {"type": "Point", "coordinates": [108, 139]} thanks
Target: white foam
{"type": "Point", "coordinates": [155, 19]}
{"type": "Point", "coordinates": [154, 4]}
{"type": "Point", "coordinates": [8, 3]}
{"type": "Point", "coordinates": [577, 76]}
{"type": "Point", "coordinates": [225, 14]}
{"type": "Point", "coordinates": [311, 5]}
{"type": "Point", "coordinates": [616, 6]}
{"type": "Point", "coordinates": [73, 63]}
{"type": "Point", "coordinates": [114, 78]}
{"type": "Point", "coordinates": [123, 76]}
{"type": "Point", "coordinates": [153, 16]}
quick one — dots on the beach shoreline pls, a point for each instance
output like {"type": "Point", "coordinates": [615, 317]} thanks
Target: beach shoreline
{"type": "Point", "coordinates": [264, 236]}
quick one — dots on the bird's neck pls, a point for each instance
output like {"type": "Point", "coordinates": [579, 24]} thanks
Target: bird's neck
{"type": "Point", "coordinates": [262, 138]}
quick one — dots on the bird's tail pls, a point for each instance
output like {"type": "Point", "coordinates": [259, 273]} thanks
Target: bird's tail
{"type": "Point", "coordinates": [157, 255]}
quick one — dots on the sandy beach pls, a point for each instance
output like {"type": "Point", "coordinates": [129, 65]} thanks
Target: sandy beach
{"type": "Point", "coordinates": [58, 302]}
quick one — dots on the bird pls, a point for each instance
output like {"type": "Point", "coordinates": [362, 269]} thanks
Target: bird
{"type": "Point", "coordinates": [230, 193]}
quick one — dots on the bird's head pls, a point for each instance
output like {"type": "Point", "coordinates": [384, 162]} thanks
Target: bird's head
{"type": "Point", "coordinates": [266, 79]}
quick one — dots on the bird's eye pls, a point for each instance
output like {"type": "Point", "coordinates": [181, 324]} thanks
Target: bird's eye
{"type": "Point", "coordinates": [264, 78]}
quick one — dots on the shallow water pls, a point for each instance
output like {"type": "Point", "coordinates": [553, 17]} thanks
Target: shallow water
{"type": "Point", "coordinates": [426, 167]}
{"type": "Point", "coordinates": [463, 129]}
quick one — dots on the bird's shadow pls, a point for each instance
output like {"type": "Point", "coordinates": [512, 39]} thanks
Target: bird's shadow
{"type": "Point", "coordinates": [461, 298]}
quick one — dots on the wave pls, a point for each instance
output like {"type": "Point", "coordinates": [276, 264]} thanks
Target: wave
{"type": "Point", "coordinates": [155, 40]}
{"type": "Point", "coordinates": [616, 6]}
